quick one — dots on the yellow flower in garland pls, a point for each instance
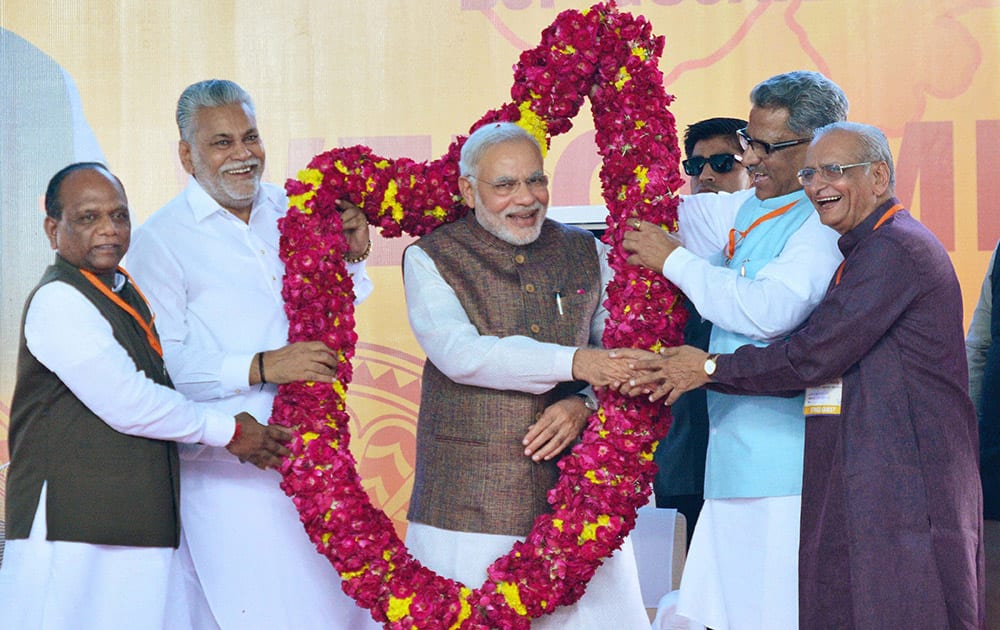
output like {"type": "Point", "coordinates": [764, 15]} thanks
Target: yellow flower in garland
{"type": "Point", "coordinates": [642, 177]}
{"type": "Point", "coordinates": [389, 202]}
{"type": "Point", "coordinates": [512, 595]}
{"type": "Point", "coordinates": [398, 608]}
{"type": "Point", "coordinates": [465, 610]}
{"type": "Point", "coordinates": [623, 78]}
{"type": "Point", "coordinates": [312, 177]}
{"type": "Point", "coordinates": [535, 125]}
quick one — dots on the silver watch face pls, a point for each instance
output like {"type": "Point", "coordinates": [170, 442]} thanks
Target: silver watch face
{"type": "Point", "coordinates": [589, 402]}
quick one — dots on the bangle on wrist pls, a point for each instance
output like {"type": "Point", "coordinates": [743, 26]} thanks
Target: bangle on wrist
{"type": "Point", "coordinates": [360, 257]}
{"type": "Point", "coordinates": [236, 434]}
{"type": "Point", "coordinates": [260, 368]}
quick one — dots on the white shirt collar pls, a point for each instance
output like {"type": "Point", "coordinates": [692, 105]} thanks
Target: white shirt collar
{"type": "Point", "coordinates": [204, 206]}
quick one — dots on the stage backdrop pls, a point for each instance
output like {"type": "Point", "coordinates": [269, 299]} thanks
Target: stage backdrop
{"type": "Point", "coordinates": [85, 79]}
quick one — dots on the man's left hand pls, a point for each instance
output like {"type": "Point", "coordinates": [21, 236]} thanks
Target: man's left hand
{"type": "Point", "coordinates": [648, 244]}
{"type": "Point", "coordinates": [556, 428]}
{"type": "Point", "coordinates": [355, 228]}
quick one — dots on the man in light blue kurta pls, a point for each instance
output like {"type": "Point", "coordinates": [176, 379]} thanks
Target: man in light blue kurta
{"type": "Point", "coordinates": [754, 263]}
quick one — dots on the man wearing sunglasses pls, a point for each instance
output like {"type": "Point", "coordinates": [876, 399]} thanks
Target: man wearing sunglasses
{"type": "Point", "coordinates": [714, 156]}
{"type": "Point", "coordinates": [755, 263]}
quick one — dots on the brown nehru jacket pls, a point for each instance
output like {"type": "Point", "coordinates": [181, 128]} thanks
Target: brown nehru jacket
{"type": "Point", "coordinates": [471, 471]}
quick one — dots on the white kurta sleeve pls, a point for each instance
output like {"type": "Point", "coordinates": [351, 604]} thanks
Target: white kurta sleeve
{"type": "Point", "coordinates": [68, 335]}
{"type": "Point", "coordinates": [363, 285]}
{"type": "Point", "coordinates": [768, 306]}
{"type": "Point", "coordinates": [453, 344]}
{"type": "Point", "coordinates": [203, 373]}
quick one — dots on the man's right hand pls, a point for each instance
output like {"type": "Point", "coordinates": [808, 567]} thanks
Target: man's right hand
{"type": "Point", "coordinates": [263, 446]}
{"type": "Point", "coordinates": [648, 245]}
{"type": "Point", "coordinates": [301, 361]}
{"type": "Point", "coordinates": [601, 368]}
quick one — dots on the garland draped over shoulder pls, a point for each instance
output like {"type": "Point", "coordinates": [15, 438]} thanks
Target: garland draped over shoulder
{"type": "Point", "coordinates": [602, 54]}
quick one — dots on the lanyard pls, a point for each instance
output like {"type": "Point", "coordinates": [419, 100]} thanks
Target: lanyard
{"type": "Point", "coordinates": [733, 232]}
{"type": "Point", "coordinates": [114, 297]}
{"type": "Point", "coordinates": [885, 217]}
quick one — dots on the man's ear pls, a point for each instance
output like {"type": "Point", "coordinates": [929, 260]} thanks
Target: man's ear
{"type": "Point", "coordinates": [184, 153]}
{"type": "Point", "coordinates": [465, 186]}
{"type": "Point", "coordinates": [49, 225]}
{"type": "Point", "coordinates": [881, 172]}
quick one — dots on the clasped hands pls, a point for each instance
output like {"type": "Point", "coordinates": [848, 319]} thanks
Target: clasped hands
{"type": "Point", "coordinates": [634, 372]}
{"type": "Point", "coordinates": [630, 371]}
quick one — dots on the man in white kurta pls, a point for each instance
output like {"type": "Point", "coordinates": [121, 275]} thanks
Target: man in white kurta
{"type": "Point", "coordinates": [491, 367]}
{"type": "Point", "coordinates": [209, 263]}
{"type": "Point", "coordinates": [754, 263]}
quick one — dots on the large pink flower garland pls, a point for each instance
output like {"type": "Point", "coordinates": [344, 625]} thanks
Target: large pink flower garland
{"type": "Point", "coordinates": [612, 58]}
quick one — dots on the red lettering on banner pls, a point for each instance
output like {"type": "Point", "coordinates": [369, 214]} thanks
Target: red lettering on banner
{"type": "Point", "coordinates": [987, 184]}
{"type": "Point", "coordinates": [574, 170]}
{"type": "Point", "coordinates": [926, 155]}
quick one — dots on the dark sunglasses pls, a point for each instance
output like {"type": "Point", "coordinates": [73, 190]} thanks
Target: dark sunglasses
{"type": "Point", "coordinates": [721, 163]}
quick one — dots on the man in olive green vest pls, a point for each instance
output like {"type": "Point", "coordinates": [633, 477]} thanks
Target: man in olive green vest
{"type": "Point", "coordinates": [93, 487]}
{"type": "Point", "coordinates": [505, 304]}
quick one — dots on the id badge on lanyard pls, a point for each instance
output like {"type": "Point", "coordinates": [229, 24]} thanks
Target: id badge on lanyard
{"type": "Point", "coordinates": [825, 399]}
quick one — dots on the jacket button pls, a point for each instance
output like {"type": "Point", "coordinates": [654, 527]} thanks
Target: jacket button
{"type": "Point", "coordinates": [530, 288]}
{"type": "Point", "coordinates": [535, 328]}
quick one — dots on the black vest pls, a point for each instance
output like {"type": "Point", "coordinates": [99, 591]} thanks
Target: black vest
{"type": "Point", "coordinates": [104, 487]}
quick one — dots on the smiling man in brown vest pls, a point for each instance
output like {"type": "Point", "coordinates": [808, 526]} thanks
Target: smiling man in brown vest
{"type": "Point", "coordinates": [505, 304]}
{"type": "Point", "coordinates": [92, 494]}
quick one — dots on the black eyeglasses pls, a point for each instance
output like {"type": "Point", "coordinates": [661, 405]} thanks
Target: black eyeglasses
{"type": "Point", "coordinates": [828, 172]}
{"type": "Point", "coordinates": [721, 163]}
{"type": "Point", "coordinates": [765, 148]}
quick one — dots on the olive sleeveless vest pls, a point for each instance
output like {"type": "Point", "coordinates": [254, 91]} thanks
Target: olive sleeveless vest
{"type": "Point", "coordinates": [104, 487]}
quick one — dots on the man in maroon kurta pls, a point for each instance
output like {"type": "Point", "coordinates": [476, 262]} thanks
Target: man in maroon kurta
{"type": "Point", "coordinates": [891, 530]}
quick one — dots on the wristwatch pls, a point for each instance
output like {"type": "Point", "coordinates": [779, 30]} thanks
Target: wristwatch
{"type": "Point", "coordinates": [710, 364]}
{"type": "Point", "coordinates": [588, 401]}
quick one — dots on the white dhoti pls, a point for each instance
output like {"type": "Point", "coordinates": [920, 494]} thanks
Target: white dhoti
{"type": "Point", "coordinates": [58, 584]}
{"type": "Point", "coordinates": [245, 560]}
{"type": "Point", "coordinates": [612, 600]}
{"type": "Point", "coordinates": [742, 568]}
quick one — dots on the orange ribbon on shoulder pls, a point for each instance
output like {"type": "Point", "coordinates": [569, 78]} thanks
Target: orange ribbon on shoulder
{"type": "Point", "coordinates": [147, 327]}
